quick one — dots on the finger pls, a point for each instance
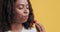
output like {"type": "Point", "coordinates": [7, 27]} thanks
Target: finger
{"type": "Point", "coordinates": [40, 27]}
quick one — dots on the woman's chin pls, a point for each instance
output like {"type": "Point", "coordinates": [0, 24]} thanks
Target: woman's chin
{"type": "Point", "coordinates": [24, 21]}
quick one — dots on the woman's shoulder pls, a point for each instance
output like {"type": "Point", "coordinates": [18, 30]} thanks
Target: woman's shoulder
{"type": "Point", "coordinates": [27, 30]}
{"type": "Point", "coordinates": [30, 30]}
{"type": "Point", "coordinates": [33, 30]}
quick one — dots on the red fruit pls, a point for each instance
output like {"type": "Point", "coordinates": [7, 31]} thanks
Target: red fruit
{"type": "Point", "coordinates": [34, 21]}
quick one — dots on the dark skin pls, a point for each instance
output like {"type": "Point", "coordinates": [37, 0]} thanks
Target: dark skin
{"type": "Point", "coordinates": [39, 27]}
{"type": "Point", "coordinates": [22, 10]}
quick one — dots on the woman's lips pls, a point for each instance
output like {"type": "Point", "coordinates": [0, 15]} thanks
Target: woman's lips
{"type": "Point", "coordinates": [26, 16]}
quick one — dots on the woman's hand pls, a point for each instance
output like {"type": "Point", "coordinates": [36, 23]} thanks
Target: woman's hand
{"type": "Point", "coordinates": [39, 27]}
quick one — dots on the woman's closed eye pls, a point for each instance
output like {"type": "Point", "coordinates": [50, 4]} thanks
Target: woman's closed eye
{"type": "Point", "coordinates": [21, 7]}
{"type": "Point", "coordinates": [27, 7]}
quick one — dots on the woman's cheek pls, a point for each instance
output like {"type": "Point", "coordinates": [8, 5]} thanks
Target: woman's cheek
{"type": "Point", "coordinates": [20, 11]}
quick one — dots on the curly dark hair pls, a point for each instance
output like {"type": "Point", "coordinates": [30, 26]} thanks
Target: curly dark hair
{"type": "Point", "coordinates": [7, 13]}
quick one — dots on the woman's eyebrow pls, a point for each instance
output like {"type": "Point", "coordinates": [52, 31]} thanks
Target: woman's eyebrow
{"type": "Point", "coordinates": [22, 4]}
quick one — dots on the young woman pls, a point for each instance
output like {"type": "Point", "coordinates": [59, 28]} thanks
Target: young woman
{"type": "Point", "coordinates": [17, 16]}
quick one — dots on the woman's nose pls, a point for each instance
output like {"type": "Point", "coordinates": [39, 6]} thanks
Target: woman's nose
{"type": "Point", "coordinates": [26, 11]}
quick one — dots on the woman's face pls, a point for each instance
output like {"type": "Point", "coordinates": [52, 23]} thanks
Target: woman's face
{"type": "Point", "coordinates": [22, 9]}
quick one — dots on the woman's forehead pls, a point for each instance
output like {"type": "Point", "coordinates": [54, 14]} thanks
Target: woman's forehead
{"type": "Point", "coordinates": [21, 2]}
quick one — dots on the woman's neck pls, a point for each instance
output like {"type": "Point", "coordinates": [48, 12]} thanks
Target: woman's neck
{"type": "Point", "coordinates": [16, 27]}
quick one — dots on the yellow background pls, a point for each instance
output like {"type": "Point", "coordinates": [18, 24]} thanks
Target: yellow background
{"type": "Point", "coordinates": [47, 12]}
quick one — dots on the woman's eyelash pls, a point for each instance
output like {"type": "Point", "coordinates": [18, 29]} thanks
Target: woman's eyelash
{"type": "Point", "coordinates": [27, 8]}
{"type": "Point", "coordinates": [20, 8]}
